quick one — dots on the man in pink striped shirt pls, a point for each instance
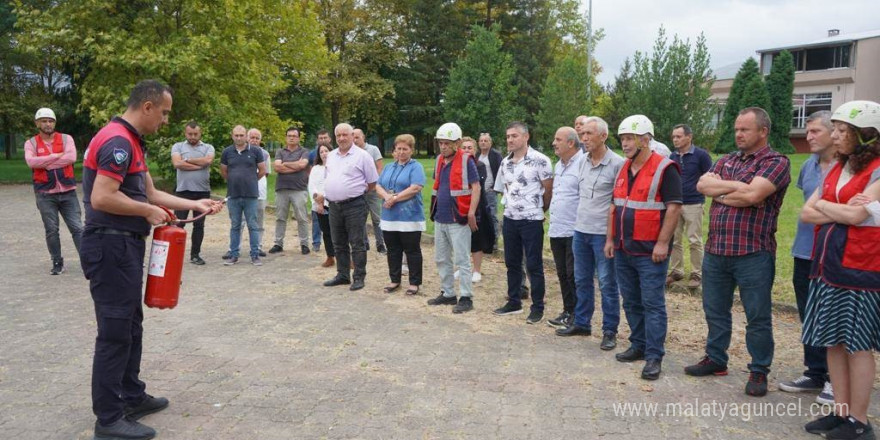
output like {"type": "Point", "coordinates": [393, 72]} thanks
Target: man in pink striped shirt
{"type": "Point", "coordinates": [51, 156]}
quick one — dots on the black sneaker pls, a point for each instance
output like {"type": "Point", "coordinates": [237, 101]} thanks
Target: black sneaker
{"type": "Point", "coordinates": [851, 429]}
{"type": "Point", "coordinates": [197, 260]}
{"type": "Point", "coordinates": [57, 267]}
{"type": "Point", "coordinates": [230, 261]}
{"type": "Point", "coordinates": [508, 309]}
{"type": "Point", "coordinates": [824, 424]}
{"type": "Point", "coordinates": [465, 304]}
{"type": "Point", "coordinates": [227, 255]}
{"type": "Point", "coordinates": [256, 261]}
{"type": "Point", "coordinates": [573, 330]}
{"type": "Point", "coordinates": [535, 316]}
{"type": "Point", "coordinates": [757, 384]}
{"type": "Point", "coordinates": [524, 292]}
{"type": "Point", "coordinates": [381, 249]}
{"type": "Point", "coordinates": [276, 249]}
{"type": "Point", "coordinates": [149, 405]}
{"type": "Point", "coordinates": [124, 428]}
{"type": "Point", "coordinates": [631, 354]}
{"type": "Point", "coordinates": [261, 253]}
{"type": "Point", "coordinates": [443, 300]}
{"type": "Point", "coordinates": [802, 384]}
{"type": "Point", "coordinates": [561, 321]}
{"type": "Point", "coordinates": [706, 367]}
{"type": "Point", "coordinates": [609, 341]}
{"type": "Point", "coordinates": [304, 249]}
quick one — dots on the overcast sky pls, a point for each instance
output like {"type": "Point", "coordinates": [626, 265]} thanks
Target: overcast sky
{"type": "Point", "coordinates": [734, 29]}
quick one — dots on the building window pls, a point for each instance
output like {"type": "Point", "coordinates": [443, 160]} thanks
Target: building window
{"type": "Point", "coordinates": [805, 104]}
{"type": "Point", "coordinates": [821, 58]}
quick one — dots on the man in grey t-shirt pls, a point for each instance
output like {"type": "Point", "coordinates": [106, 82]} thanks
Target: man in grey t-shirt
{"type": "Point", "coordinates": [291, 189]}
{"type": "Point", "coordinates": [374, 202]}
{"type": "Point", "coordinates": [192, 159]}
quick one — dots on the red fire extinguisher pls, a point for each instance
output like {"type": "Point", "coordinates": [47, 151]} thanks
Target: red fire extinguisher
{"type": "Point", "coordinates": [166, 263]}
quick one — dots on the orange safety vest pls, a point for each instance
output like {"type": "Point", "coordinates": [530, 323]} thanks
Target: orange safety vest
{"type": "Point", "coordinates": [45, 180]}
{"type": "Point", "coordinates": [638, 216]}
{"type": "Point", "coordinates": [846, 256]}
{"type": "Point", "coordinates": [459, 188]}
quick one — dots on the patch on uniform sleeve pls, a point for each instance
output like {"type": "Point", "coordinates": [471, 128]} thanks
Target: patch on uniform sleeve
{"type": "Point", "coordinates": [120, 155]}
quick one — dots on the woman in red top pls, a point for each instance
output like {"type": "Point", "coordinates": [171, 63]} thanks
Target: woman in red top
{"type": "Point", "coordinates": [843, 305]}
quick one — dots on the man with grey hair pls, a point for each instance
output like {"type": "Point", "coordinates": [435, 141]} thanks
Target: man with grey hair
{"type": "Point", "coordinates": [693, 162]}
{"type": "Point", "coordinates": [579, 123]}
{"type": "Point", "coordinates": [255, 139]}
{"type": "Point", "coordinates": [374, 202]}
{"type": "Point", "coordinates": [491, 158]}
{"type": "Point", "coordinates": [815, 377]}
{"type": "Point", "coordinates": [562, 216]}
{"type": "Point", "coordinates": [351, 173]}
{"type": "Point", "coordinates": [595, 186]}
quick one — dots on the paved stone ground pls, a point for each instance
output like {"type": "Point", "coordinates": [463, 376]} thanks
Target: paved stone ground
{"type": "Point", "coordinates": [266, 353]}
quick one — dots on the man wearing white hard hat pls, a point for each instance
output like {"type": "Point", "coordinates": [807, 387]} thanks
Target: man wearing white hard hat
{"type": "Point", "coordinates": [51, 156]}
{"type": "Point", "coordinates": [454, 201]}
{"type": "Point", "coordinates": [646, 202]}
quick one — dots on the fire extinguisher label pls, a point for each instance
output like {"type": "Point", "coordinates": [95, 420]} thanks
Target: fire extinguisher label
{"type": "Point", "coordinates": [158, 258]}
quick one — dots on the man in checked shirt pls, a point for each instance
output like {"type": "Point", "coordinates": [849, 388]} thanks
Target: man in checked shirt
{"type": "Point", "coordinates": [747, 188]}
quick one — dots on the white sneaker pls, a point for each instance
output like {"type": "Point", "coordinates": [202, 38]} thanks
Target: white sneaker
{"type": "Point", "coordinates": [476, 277]}
{"type": "Point", "coordinates": [455, 275]}
{"type": "Point", "coordinates": [826, 397]}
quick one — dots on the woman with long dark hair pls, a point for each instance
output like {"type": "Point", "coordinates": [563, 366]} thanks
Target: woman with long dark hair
{"type": "Point", "coordinates": [319, 204]}
{"type": "Point", "coordinates": [843, 305]}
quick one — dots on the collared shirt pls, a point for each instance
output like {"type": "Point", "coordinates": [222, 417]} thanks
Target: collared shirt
{"type": "Point", "coordinates": [809, 179]}
{"type": "Point", "coordinates": [741, 231]}
{"type": "Point", "coordinates": [374, 151]}
{"type": "Point", "coordinates": [660, 148]}
{"type": "Point", "coordinates": [241, 170]}
{"type": "Point", "coordinates": [566, 180]}
{"type": "Point", "coordinates": [195, 180]}
{"type": "Point", "coordinates": [349, 174]}
{"type": "Point", "coordinates": [298, 181]}
{"type": "Point", "coordinates": [595, 190]}
{"type": "Point", "coordinates": [522, 184]}
{"type": "Point", "coordinates": [694, 163]}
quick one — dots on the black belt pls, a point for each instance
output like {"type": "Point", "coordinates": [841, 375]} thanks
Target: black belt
{"type": "Point", "coordinates": [111, 231]}
{"type": "Point", "coordinates": [343, 202]}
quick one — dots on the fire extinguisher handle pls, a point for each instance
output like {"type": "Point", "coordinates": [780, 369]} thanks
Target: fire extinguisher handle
{"type": "Point", "coordinates": [170, 214]}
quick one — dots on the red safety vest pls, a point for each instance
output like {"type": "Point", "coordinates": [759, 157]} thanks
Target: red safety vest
{"type": "Point", "coordinates": [45, 180]}
{"type": "Point", "coordinates": [847, 256]}
{"type": "Point", "coordinates": [459, 188]}
{"type": "Point", "coordinates": [638, 215]}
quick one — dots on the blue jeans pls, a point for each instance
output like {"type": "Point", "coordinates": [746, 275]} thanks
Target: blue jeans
{"type": "Point", "coordinates": [643, 287]}
{"type": "Point", "coordinates": [753, 274]}
{"type": "Point", "coordinates": [589, 257]}
{"type": "Point", "coordinates": [316, 230]}
{"type": "Point", "coordinates": [527, 235]}
{"type": "Point", "coordinates": [246, 206]}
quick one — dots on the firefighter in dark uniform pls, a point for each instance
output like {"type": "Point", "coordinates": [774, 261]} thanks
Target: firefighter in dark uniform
{"type": "Point", "coordinates": [121, 206]}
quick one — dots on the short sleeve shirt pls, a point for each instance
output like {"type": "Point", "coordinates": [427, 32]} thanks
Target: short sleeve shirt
{"type": "Point", "coordinates": [810, 177]}
{"type": "Point", "coordinates": [374, 151]}
{"type": "Point", "coordinates": [349, 174]}
{"type": "Point", "coordinates": [565, 196]}
{"type": "Point", "coordinates": [298, 181]}
{"type": "Point", "coordinates": [241, 168]}
{"type": "Point", "coordinates": [742, 231]}
{"type": "Point", "coordinates": [196, 180]}
{"type": "Point", "coordinates": [595, 192]}
{"type": "Point", "coordinates": [522, 185]}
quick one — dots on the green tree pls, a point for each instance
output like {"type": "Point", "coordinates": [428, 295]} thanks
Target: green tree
{"type": "Point", "coordinates": [224, 69]}
{"type": "Point", "coordinates": [564, 96]}
{"type": "Point", "coordinates": [481, 96]}
{"type": "Point", "coordinates": [780, 85]}
{"type": "Point", "coordinates": [747, 91]}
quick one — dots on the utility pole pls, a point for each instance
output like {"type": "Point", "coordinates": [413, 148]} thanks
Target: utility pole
{"type": "Point", "coordinates": [589, 49]}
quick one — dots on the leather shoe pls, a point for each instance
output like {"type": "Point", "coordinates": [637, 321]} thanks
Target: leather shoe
{"type": "Point", "coordinates": [609, 341]}
{"type": "Point", "coordinates": [124, 428]}
{"type": "Point", "coordinates": [329, 262]}
{"type": "Point", "coordinates": [149, 405]}
{"type": "Point", "coordinates": [652, 369]}
{"type": "Point", "coordinates": [573, 330]}
{"type": "Point", "coordinates": [336, 281]}
{"type": "Point", "coordinates": [631, 354]}
{"type": "Point", "coordinates": [356, 285]}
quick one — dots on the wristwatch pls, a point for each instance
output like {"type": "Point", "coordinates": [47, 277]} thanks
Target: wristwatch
{"type": "Point", "coordinates": [721, 197]}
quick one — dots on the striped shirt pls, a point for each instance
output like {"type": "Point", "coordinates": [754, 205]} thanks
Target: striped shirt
{"type": "Point", "coordinates": [741, 231]}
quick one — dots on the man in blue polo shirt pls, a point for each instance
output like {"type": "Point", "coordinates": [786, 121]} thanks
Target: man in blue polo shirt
{"type": "Point", "coordinates": [121, 205]}
{"type": "Point", "coordinates": [694, 162]}
{"type": "Point", "coordinates": [242, 165]}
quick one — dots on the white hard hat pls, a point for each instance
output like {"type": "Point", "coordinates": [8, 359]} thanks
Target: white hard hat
{"type": "Point", "coordinates": [449, 131]}
{"type": "Point", "coordinates": [44, 113]}
{"type": "Point", "coordinates": [861, 114]}
{"type": "Point", "coordinates": [636, 124]}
